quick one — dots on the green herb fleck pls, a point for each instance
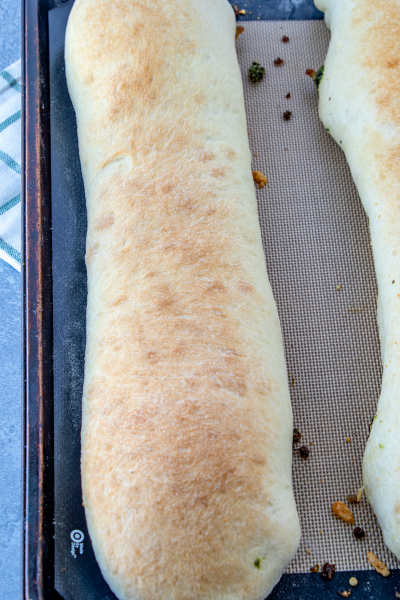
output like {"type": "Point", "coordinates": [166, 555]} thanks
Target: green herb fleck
{"type": "Point", "coordinates": [256, 72]}
{"type": "Point", "coordinates": [316, 76]}
{"type": "Point", "coordinates": [393, 281]}
{"type": "Point", "coordinates": [380, 446]}
{"type": "Point", "coordinates": [327, 128]}
{"type": "Point", "coordinates": [319, 76]}
{"type": "Point", "coordinates": [257, 563]}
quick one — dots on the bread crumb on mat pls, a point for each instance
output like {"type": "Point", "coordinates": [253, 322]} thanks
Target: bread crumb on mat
{"type": "Point", "coordinates": [378, 565]}
{"type": "Point", "coordinates": [239, 30]}
{"type": "Point", "coordinates": [342, 511]}
{"type": "Point", "coordinates": [328, 571]}
{"type": "Point", "coordinates": [259, 178]}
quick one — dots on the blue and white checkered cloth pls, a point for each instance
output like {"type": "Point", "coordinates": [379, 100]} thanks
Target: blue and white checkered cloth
{"type": "Point", "coordinates": [10, 165]}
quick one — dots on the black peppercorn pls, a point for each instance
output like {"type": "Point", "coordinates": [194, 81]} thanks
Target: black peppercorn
{"type": "Point", "coordinates": [304, 452]}
{"type": "Point", "coordinates": [359, 533]}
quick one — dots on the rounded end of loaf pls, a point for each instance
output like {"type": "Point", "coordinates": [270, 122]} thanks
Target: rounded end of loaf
{"type": "Point", "coordinates": [188, 501]}
{"type": "Point", "coordinates": [225, 563]}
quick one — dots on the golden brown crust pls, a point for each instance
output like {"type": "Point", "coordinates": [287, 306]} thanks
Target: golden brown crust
{"type": "Point", "coordinates": [359, 104]}
{"type": "Point", "coordinates": [186, 437]}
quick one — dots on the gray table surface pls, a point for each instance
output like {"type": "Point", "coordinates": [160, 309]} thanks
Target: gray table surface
{"type": "Point", "coordinates": [10, 367]}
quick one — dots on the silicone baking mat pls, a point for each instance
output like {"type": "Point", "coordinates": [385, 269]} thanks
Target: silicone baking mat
{"type": "Point", "coordinates": [320, 265]}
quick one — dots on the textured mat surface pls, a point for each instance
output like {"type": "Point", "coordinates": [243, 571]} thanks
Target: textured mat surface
{"type": "Point", "coordinates": [316, 239]}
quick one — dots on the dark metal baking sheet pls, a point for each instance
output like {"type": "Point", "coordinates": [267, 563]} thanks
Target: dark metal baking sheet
{"type": "Point", "coordinates": [58, 557]}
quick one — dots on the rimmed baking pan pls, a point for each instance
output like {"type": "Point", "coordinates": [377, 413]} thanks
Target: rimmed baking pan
{"type": "Point", "coordinates": [58, 558]}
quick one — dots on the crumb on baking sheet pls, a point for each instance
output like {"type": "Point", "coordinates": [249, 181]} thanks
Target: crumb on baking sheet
{"type": "Point", "coordinates": [242, 12]}
{"type": "Point", "coordinates": [239, 30]}
{"type": "Point", "coordinates": [236, 10]}
{"type": "Point", "coordinates": [352, 499]}
{"type": "Point", "coordinates": [359, 533]}
{"type": "Point", "coordinates": [359, 493]}
{"type": "Point", "coordinates": [338, 287]}
{"type": "Point", "coordinates": [296, 435]}
{"type": "Point", "coordinates": [378, 565]}
{"type": "Point", "coordinates": [256, 72]}
{"type": "Point", "coordinates": [259, 178]}
{"type": "Point", "coordinates": [328, 571]}
{"type": "Point", "coordinates": [344, 593]}
{"type": "Point", "coordinates": [304, 452]}
{"type": "Point", "coordinates": [314, 569]}
{"type": "Point", "coordinates": [353, 581]}
{"type": "Point", "coordinates": [341, 510]}
{"type": "Point", "coordinates": [348, 440]}
{"type": "Point", "coordinates": [397, 595]}
{"type": "Point", "coordinates": [278, 62]}
{"type": "Point", "coordinates": [285, 39]}
{"type": "Point", "coordinates": [286, 115]}
{"type": "Point", "coordinates": [288, 95]}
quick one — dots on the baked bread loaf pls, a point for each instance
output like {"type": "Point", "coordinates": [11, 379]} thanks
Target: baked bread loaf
{"type": "Point", "coordinates": [187, 424]}
{"type": "Point", "coordinates": [359, 103]}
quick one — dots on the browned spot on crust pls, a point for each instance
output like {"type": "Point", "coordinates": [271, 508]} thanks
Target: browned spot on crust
{"type": "Point", "coordinates": [105, 221]}
{"type": "Point", "coordinates": [391, 64]}
{"type": "Point", "coordinates": [230, 153]}
{"type": "Point", "coordinates": [119, 300]}
{"type": "Point", "coordinates": [214, 286]}
{"type": "Point", "coordinates": [167, 188]}
{"type": "Point", "coordinates": [380, 51]}
{"type": "Point", "coordinates": [91, 251]}
{"type": "Point", "coordinates": [245, 286]}
{"type": "Point", "coordinates": [219, 172]}
{"type": "Point", "coordinates": [151, 355]}
{"type": "Point", "coordinates": [199, 98]}
{"type": "Point", "coordinates": [206, 156]}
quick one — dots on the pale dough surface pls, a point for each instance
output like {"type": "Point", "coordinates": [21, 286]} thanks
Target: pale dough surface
{"type": "Point", "coordinates": [187, 423]}
{"type": "Point", "coordinates": [359, 104]}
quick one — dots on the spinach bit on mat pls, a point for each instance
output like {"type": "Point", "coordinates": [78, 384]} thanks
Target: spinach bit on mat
{"type": "Point", "coordinates": [256, 72]}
